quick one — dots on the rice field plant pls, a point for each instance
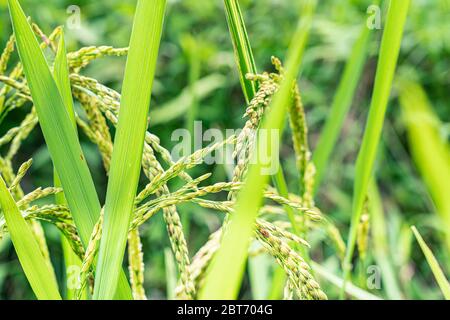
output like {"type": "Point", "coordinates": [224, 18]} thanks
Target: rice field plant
{"type": "Point", "coordinates": [150, 223]}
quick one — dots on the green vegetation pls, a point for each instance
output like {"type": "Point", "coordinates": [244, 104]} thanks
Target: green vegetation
{"type": "Point", "coordinates": [113, 205]}
{"type": "Point", "coordinates": [387, 62]}
{"type": "Point", "coordinates": [128, 142]}
{"type": "Point", "coordinates": [434, 265]}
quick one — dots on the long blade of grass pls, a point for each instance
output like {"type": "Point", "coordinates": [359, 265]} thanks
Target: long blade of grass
{"type": "Point", "coordinates": [242, 49]}
{"type": "Point", "coordinates": [430, 151]}
{"type": "Point", "coordinates": [61, 76]}
{"type": "Point", "coordinates": [59, 133]}
{"type": "Point", "coordinates": [341, 104]}
{"type": "Point", "coordinates": [33, 263]}
{"type": "Point", "coordinates": [226, 270]}
{"type": "Point", "coordinates": [246, 64]}
{"type": "Point", "coordinates": [389, 51]}
{"type": "Point", "coordinates": [434, 265]}
{"type": "Point", "coordinates": [381, 248]}
{"type": "Point", "coordinates": [58, 130]}
{"type": "Point", "coordinates": [129, 143]}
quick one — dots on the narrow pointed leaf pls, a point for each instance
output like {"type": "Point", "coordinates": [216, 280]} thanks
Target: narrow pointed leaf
{"type": "Point", "coordinates": [382, 253]}
{"type": "Point", "coordinates": [341, 104]}
{"type": "Point", "coordinates": [429, 149]}
{"type": "Point", "coordinates": [389, 51]}
{"type": "Point", "coordinates": [246, 64]}
{"type": "Point", "coordinates": [61, 76]}
{"type": "Point", "coordinates": [59, 133]}
{"type": "Point", "coordinates": [242, 48]}
{"type": "Point", "coordinates": [225, 273]}
{"type": "Point", "coordinates": [128, 143]}
{"type": "Point", "coordinates": [33, 263]}
{"type": "Point", "coordinates": [434, 265]}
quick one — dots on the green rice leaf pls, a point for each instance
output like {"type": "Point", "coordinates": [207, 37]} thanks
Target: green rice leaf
{"type": "Point", "coordinates": [128, 143]}
{"type": "Point", "coordinates": [242, 48]}
{"type": "Point", "coordinates": [389, 51]}
{"type": "Point", "coordinates": [341, 104]}
{"type": "Point", "coordinates": [58, 129]}
{"type": "Point", "coordinates": [430, 150]}
{"type": "Point", "coordinates": [59, 133]}
{"type": "Point", "coordinates": [33, 263]}
{"type": "Point", "coordinates": [434, 265]}
{"type": "Point", "coordinates": [227, 268]}
{"type": "Point", "coordinates": [382, 253]}
{"type": "Point", "coordinates": [61, 76]}
{"type": "Point", "coordinates": [246, 64]}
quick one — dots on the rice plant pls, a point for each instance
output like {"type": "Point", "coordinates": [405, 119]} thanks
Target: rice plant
{"type": "Point", "coordinates": [272, 221]}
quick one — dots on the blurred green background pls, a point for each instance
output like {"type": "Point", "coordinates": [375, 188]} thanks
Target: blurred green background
{"type": "Point", "coordinates": [196, 46]}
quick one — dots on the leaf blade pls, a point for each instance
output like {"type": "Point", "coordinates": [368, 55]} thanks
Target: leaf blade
{"type": "Point", "coordinates": [430, 151]}
{"type": "Point", "coordinates": [129, 142]}
{"type": "Point", "coordinates": [434, 265]}
{"type": "Point", "coordinates": [61, 76]}
{"type": "Point", "coordinates": [389, 51]}
{"type": "Point", "coordinates": [36, 269]}
{"type": "Point", "coordinates": [223, 279]}
{"type": "Point", "coordinates": [341, 104]}
{"type": "Point", "coordinates": [59, 133]}
{"type": "Point", "coordinates": [241, 47]}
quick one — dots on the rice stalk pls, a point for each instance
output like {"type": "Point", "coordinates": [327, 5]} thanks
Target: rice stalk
{"type": "Point", "coordinates": [389, 51]}
{"type": "Point", "coordinates": [6, 54]}
{"type": "Point", "coordinates": [61, 76]}
{"type": "Point", "coordinates": [380, 243]}
{"type": "Point", "coordinates": [136, 265]}
{"type": "Point", "coordinates": [341, 104]}
{"type": "Point", "coordinates": [257, 93]}
{"type": "Point", "coordinates": [83, 57]}
{"type": "Point", "coordinates": [223, 280]}
{"type": "Point", "coordinates": [109, 105]}
{"type": "Point", "coordinates": [298, 271]}
{"type": "Point", "coordinates": [87, 264]}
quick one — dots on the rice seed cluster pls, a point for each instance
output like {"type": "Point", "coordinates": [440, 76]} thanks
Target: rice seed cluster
{"type": "Point", "coordinates": [99, 109]}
